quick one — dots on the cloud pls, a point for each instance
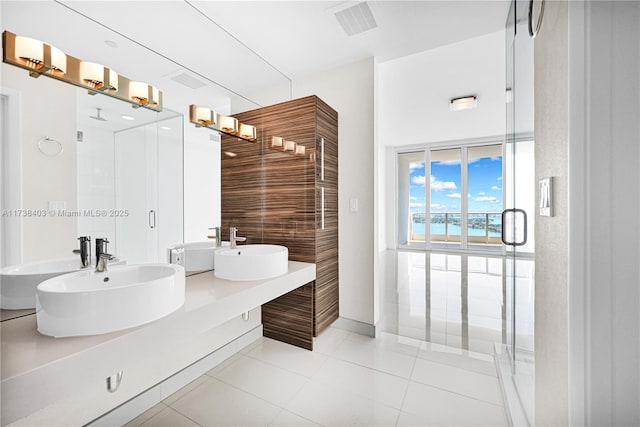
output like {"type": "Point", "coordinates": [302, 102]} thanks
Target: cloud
{"type": "Point", "coordinates": [496, 188]}
{"type": "Point", "coordinates": [454, 195]}
{"type": "Point", "coordinates": [417, 205]}
{"type": "Point", "coordinates": [482, 193]}
{"type": "Point", "coordinates": [419, 180]}
{"type": "Point", "coordinates": [499, 178]}
{"type": "Point", "coordinates": [489, 199]}
{"type": "Point", "coordinates": [416, 165]}
{"type": "Point", "coordinates": [438, 206]}
{"type": "Point", "coordinates": [438, 185]}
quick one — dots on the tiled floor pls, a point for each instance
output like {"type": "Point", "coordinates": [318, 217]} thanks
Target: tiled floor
{"type": "Point", "coordinates": [460, 300]}
{"type": "Point", "coordinates": [348, 379]}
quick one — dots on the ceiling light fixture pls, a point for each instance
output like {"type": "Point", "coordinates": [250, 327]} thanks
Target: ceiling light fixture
{"type": "Point", "coordinates": [206, 117]}
{"type": "Point", "coordinates": [125, 117]}
{"type": "Point", "coordinates": [463, 103]}
{"type": "Point", "coordinates": [40, 58]}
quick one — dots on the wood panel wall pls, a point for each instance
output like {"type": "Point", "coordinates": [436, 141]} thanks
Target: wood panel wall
{"type": "Point", "coordinates": [274, 197]}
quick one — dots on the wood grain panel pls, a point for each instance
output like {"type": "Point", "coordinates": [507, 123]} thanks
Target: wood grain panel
{"type": "Point", "coordinates": [272, 197]}
{"type": "Point", "coordinates": [289, 318]}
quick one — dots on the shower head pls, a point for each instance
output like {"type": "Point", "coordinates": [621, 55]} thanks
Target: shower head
{"type": "Point", "coordinates": [98, 116]}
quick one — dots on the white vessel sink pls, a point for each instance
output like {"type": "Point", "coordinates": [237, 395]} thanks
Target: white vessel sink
{"type": "Point", "coordinates": [194, 256]}
{"type": "Point", "coordinates": [90, 303]}
{"type": "Point", "coordinates": [251, 262]}
{"type": "Point", "coordinates": [18, 282]}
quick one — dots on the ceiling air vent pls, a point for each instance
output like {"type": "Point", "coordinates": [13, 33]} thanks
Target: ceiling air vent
{"type": "Point", "coordinates": [356, 19]}
{"type": "Point", "coordinates": [188, 81]}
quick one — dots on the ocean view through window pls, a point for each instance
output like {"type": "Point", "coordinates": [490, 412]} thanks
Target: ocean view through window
{"type": "Point", "coordinates": [475, 172]}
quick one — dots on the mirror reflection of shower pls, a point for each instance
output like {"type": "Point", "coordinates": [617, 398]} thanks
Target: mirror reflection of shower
{"type": "Point", "coordinates": [129, 170]}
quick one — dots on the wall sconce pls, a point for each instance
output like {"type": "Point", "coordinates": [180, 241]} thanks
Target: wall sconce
{"type": "Point", "coordinates": [98, 77]}
{"type": "Point", "coordinates": [463, 103]}
{"type": "Point", "coordinates": [289, 146]}
{"type": "Point", "coordinates": [277, 141]}
{"type": "Point", "coordinates": [205, 117]}
{"type": "Point", "coordinates": [40, 58]}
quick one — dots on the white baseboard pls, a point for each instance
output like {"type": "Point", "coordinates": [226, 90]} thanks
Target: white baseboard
{"type": "Point", "coordinates": [355, 326]}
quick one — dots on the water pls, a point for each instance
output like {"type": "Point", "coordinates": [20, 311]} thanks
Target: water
{"type": "Point", "coordinates": [455, 229]}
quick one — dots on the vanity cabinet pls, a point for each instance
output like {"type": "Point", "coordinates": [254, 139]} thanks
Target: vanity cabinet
{"type": "Point", "coordinates": [283, 189]}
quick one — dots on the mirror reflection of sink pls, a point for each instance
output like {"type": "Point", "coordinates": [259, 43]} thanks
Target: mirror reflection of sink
{"type": "Point", "coordinates": [251, 262]}
{"type": "Point", "coordinates": [90, 303]}
{"type": "Point", "coordinates": [18, 282]}
{"type": "Point", "coordinates": [194, 256]}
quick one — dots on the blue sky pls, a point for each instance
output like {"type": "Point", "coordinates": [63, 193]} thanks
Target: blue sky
{"type": "Point", "coordinates": [485, 186]}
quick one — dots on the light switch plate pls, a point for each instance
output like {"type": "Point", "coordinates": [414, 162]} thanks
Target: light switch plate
{"type": "Point", "coordinates": [353, 204]}
{"type": "Point", "coordinates": [546, 197]}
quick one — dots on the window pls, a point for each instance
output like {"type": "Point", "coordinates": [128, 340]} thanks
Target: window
{"type": "Point", "coordinates": [462, 205]}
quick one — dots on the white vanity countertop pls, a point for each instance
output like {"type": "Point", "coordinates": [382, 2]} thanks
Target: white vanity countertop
{"type": "Point", "coordinates": [208, 299]}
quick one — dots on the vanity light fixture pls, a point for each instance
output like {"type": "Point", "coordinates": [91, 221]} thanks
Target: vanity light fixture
{"type": "Point", "coordinates": [463, 103]}
{"type": "Point", "coordinates": [300, 150]}
{"type": "Point", "coordinates": [247, 132]}
{"type": "Point", "coordinates": [143, 94]}
{"type": "Point", "coordinates": [228, 124]}
{"type": "Point", "coordinates": [98, 77]}
{"type": "Point", "coordinates": [205, 117]}
{"type": "Point", "coordinates": [40, 58]}
{"type": "Point", "coordinates": [277, 141]}
{"type": "Point", "coordinates": [202, 116]}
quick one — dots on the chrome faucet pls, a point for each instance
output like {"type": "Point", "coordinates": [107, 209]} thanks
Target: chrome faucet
{"type": "Point", "coordinates": [84, 251]}
{"type": "Point", "coordinates": [103, 260]}
{"type": "Point", "coordinates": [101, 248]}
{"type": "Point", "coordinates": [233, 231]}
{"type": "Point", "coordinates": [217, 236]}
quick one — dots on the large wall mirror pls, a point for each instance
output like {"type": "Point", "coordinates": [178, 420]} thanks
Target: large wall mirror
{"type": "Point", "coordinates": [71, 165]}
{"type": "Point", "coordinates": [75, 164]}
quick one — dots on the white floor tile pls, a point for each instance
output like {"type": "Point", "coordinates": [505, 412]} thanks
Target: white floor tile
{"type": "Point", "coordinates": [286, 418]}
{"type": "Point", "coordinates": [169, 418]}
{"type": "Point", "coordinates": [458, 380]}
{"type": "Point", "coordinates": [477, 362]}
{"type": "Point", "coordinates": [216, 403]}
{"type": "Point", "coordinates": [329, 340]}
{"type": "Point", "coordinates": [368, 354]}
{"type": "Point", "coordinates": [230, 361]}
{"type": "Point", "coordinates": [186, 389]}
{"type": "Point", "coordinates": [431, 406]}
{"type": "Point", "coordinates": [365, 382]}
{"type": "Point", "coordinates": [146, 416]}
{"type": "Point", "coordinates": [329, 406]}
{"type": "Point", "coordinates": [289, 357]}
{"type": "Point", "coordinates": [268, 382]}
{"type": "Point", "coordinates": [390, 342]}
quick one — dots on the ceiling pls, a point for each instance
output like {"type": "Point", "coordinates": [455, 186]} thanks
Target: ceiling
{"type": "Point", "coordinates": [239, 47]}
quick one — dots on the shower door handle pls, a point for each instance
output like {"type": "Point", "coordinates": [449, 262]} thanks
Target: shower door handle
{"type": "Point", "coordinates": [503, 234]}
{"type": "Point", "coordinates": [152, 219]}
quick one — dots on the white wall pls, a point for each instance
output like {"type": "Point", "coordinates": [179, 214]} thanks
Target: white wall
{"type": "Point", "coordinates": [350, 91]}
{"type": "Point", "coordinates": [414, 93]}
{"type": "Point", "coordinates": [96, 184]}
{"type": "Point", "coordinates": [603, 303]}
{"type": "Point", "coordinates": [201, 182]}
{"type": "Point", "coordinates": [45, 178]}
